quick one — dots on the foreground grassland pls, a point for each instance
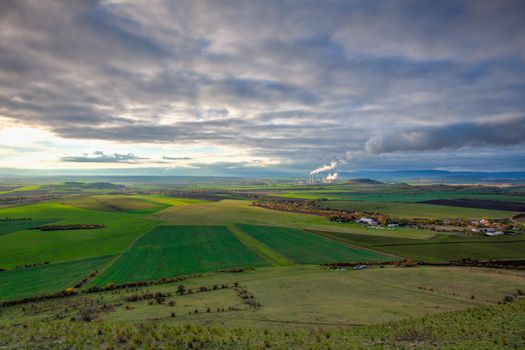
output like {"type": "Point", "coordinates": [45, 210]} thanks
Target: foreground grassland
{"type": "Point", "coordinates": [227, 212]}
{"type": "Point", "coordinates": [169, 251]}
{"type": "Point", "coordinates": [25, 282]}
{"type": "Point", "coordinates": [307, 248]}
{"type": "Point", "coordinates": [33, 246]}
{"type": "Point", "coordinates": [283, 299]}
{"type": "Point", "coordinates": [441, 247]}
{"type": "Point", "coordinates": [487, 328]}
{"type": "Point", "coordinates": [302, 307]}
{"type": "Point", "coordinates": [415, 210]}
{"type": "Point", "coordinates": [297, 296]}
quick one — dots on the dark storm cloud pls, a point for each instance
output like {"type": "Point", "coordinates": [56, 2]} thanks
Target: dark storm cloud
{"type": "Point", "coordinates": [499, 133]}
{"type": "Point", "coordinates": [284, 79]}
{"type": "Point", "coordinates": [101, 157]}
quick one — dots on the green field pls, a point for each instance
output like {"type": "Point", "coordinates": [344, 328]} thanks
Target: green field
{"type": "Point", "coordinates": [418, 194]}
{"type": "Point", "coordinates": [30, 246]}
{"type": "Point", "coordinates": [263, 250]}
{"type": "Point", "coordinates": [415, 210]}
{"type": "Point", "coordinates": [110, 203]}
{"type": "Point", "coordinates": [307, 248]}
{"type": "Point", "coordinates": [228, 212]}
{"type": "Point", "coordinates": [441, 247]}
{"type": "Point", "coordinates": [22, 189]}
{"type": "Point", "coordinates": [170, 251]}
{"type": "Point", "coordinates": [284, 299]}
{"type": "Point", "coordinates": [25, 282]}
{"type": "Point", "coordinates": [171, 201]}
{"type": "Point", "coordinates": [19, 225]}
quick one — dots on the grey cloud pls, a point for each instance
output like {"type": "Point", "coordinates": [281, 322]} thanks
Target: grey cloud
{"type": "Point", "coordinates": [292, 80]}
{"type": "Point", "coordinates": [176, 158]}
{"type": "Point", "coordinates": [101, 157]}
{"type": "Point", "coordinates": [500, 133]}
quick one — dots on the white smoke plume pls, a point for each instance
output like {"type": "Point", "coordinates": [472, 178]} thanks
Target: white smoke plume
{"type": "Point", "coordinates": [327, 167]}
{"type": "Point", "coordinates": [331, 177]}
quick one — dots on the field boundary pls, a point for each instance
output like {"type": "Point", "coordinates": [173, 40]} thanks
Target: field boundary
{"type": "Point", "coordinates": [460, 242]}
{"type": "Point", "coordinates": [355, 246]}
{"type": "Point", "coordinates": [259, 248]}
{"type": "Point", "coordinates": [117, 258]}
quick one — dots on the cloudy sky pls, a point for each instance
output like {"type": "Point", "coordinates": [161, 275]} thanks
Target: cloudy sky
{"type": "Point", "coordinates": [215, 87]}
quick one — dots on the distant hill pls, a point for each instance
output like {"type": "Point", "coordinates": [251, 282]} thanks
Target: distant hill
{"type": "Point", "coordinates": [364, 182]}
{"type": "Point", "coordinates": [437, 176]}
{"type": "Point", "coordinates": [103, 186]}
{"type": "Point", "coordinates": [93, 185]}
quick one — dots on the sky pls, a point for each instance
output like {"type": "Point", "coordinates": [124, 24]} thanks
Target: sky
{"type": "Point", "coordinates": [262, 87]}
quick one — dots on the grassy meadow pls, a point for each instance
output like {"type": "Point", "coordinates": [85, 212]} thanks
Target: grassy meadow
{"type": "Point", "coordinates": [282, 299]}
{"type": "Point", "coordinates": [43, 279]}
{"type": "Point", "coordinates": [441, 247]}
{"type": "Point", "coordinates": [169, 251]}
{"type": "Point", "coordinates": [415, 210]}
{"type": "Point", "coordinates": [227, 212]}
{"type": "Point", "coordinates": [306, 248]}
{"type": "Point", "coordinates": [295, 297]}
{"type": "Point", "coordinates": [462, 330]}
{"type": "Point", "coordinates": [128, 204]}
{"type": "Point", "coordinates": [32, 246]}
{"type": "Point", "coordinates": [396, 192]}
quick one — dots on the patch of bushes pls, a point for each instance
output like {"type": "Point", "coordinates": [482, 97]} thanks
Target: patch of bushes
{"type": "Point", "coordinates": [68, 227]}
{"type": "Point", "coordinates": [159, 297]}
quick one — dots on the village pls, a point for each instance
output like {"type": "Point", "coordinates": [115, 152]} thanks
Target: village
{"type": "Point", "coordinates": [375, 220]}
{"type": "Point", "coordinates": [481, 227]}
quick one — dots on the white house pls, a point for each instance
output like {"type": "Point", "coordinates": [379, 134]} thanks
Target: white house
{"type": "Point", "coordinates": [484, 222]}
{"type": "Point", "coordinates": [367, 221]}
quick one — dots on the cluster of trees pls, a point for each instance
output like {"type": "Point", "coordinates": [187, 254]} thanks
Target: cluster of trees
{"type": "Point", "coordinates": [343, 217]}
{"type": "Point", "coordinates": [25, 266]}
{"type": "Point", "coordinates": [234, 270]}
{"type": "Point", "coordinates": [86, 279]}
{"type": "Point", "coordinates": [96, 289]}
{"type": "Point", "coordinates": [247, 297]}
{"type": "Point", "coordinates": [31, 197]}
{"type": "Point", "coordinates": [15, 219]}
{"type": "Point", "coordinates": [404, 262]}
{"type": "Point", "coordinates": [491, 263]}
{"type": "Point", "coordinates": [289, 204]}
{"type": "Point", "coordinates": [61, 294]}
{"type": "Point", "coordinates": [68, 227]}
{"type": "Point", "coordinates": [159, 297]}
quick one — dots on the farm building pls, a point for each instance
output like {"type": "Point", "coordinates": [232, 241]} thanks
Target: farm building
{"type": "Point", "coordinates": [483, 229]}
{"type": "Point", "coordinates": [367, 221]}
{"type": "Point", "coordinates": [494, 233]}
{"type": "Point", "coordinates": [484, 222]}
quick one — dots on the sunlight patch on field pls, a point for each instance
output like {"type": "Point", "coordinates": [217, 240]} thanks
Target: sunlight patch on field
{"type": "Point", "coordinates": [227, 212]}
